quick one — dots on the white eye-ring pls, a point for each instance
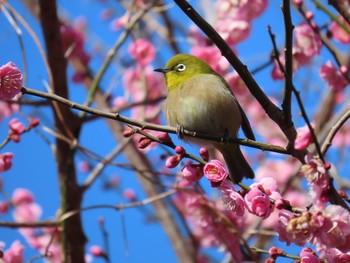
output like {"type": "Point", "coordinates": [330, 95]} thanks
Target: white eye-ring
{"type": "Point", "coordinates": [181, 67]}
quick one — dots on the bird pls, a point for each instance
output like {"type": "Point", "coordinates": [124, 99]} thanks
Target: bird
{"type": "Point", "coordinates": [200, 100]}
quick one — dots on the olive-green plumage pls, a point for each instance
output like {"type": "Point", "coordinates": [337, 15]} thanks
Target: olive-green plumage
{"type": "Point", "coordinates": [200, 100]}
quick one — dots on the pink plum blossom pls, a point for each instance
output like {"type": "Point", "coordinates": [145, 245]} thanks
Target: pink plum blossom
{"type": "Point", "coordinates": [302, 229]}
{"type": "Point", "coordinates": [97, 251]}
{"type": "Point", "coordinates": [284, 217]}
{"type": "Point", "coordinates": [27, 213]}
{"type": "Point", "coordinates": [207, 227]}
{"type": "Point", "coordinates": [307, 40]}
{"type": "Point", "coordinates": [232, 200]}
{"type": "Point", "coordinates": [333, 76]}
{"type": "Point", "coordinates": [22, 196]}
{"type": "Point", "coordinates": [215, 172]}
{"type": "Point", "coordinates": [244, 9]}
{"type": "Point", "coordinates": [304, 138]}
{"type": "Point", "coordinates": [307, 45]}
{"type": "Point", "coordinates": [269, 187]}
{"type": "Point", "coordinates": [84, 166]}
{"type": "Point", "coordinates": [196, 35]}
{"type": "Point", "coordinates": [280, 170]}
{"type": "Point", "coordinates": [15, 253]}
{"type": "Point", "coordinates": [143, 51]}
{"type": "Point", "coordinates": [336, 228]}
{"type": "Point", "coordinates": [143, 85]}
{"type": "Point", "coordinates": [6, 161]}
{"type": "Point", "coordinates": [342, 138]}
{"type": "Point", "coordinates": [73, 42]}
{"type": "Point", "coordinates": [236, 84]}
{"type": "Point", "coordinates": [192, 172]}
{"type": "Point", "coordinates": [212, 55]}
{"type": "Point", "coordinates": [10, 81]}
{"type": "Point", "coordinates": [39, 238]}
{"type": "Point", "coordinates": [308, 256]}
{"type": "Point", "coordinates": [4, 207]}
{"type": "Point", "coordinates": [7, 109]}
{"type": "Point", "coordinates": [16, 126]}
{"type": "Point", "coordinates": [326, 229]}
{"type": "Point", "coordinates": [233, 31]}
{"type": "Point", "coordinates": [106, 14]}
{"type": "Point", "coordinates": [339, 33]}
{"type": "Point", "coordinates": [335, 255]}
{"type": "Point", "coordinates": [299, 59]}
{"type": "Point", "coordinates": [119, 23]}
{"type": "Point", "coordinates": [129, 194]}
{"type": "Point", "coordinates": [298, 2]}
{"type": "Point", "coordinates": [119, 102]}
{"type": "Point", "coordinates": [258, 203]}
{"type": "Point", "coordinates": [318, 178]}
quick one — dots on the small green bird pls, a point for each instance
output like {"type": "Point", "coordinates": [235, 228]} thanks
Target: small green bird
{"type": "Point", "coordinates": [200, 100]}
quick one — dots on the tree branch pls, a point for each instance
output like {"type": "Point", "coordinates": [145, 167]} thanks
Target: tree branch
{"type": "Point", "coordinates": [145, 125]}
{"type": "Point", "coordinates": [73, 237]}
{"type": "Point", "coordinates": [288, 73]}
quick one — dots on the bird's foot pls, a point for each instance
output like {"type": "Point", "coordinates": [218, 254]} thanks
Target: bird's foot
{"type": "Point", "coordinates": [180, 132]}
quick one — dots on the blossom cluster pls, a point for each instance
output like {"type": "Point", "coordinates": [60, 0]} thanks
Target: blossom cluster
{"type": "Point", "coordinates": [26, 210]}
{"type": "Point", "coordinates": [328, 230]}
{"type": "Point", "coordinates": [306, 46]}
{"type": "Point", "coordinates": [211, 223]}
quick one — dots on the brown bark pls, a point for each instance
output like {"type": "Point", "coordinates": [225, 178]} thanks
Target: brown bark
{"type": "Point", "coordinates": [68, 125]}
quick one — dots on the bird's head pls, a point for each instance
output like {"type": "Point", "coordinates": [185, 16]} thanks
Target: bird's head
{"type": "Point", "coordinates": [183, 67]}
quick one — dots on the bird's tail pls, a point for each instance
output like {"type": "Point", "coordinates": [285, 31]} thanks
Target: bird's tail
{"type": "Point", "coordinates": [236, 163]}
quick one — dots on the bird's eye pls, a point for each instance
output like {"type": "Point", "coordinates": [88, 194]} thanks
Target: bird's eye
{"type": "Point", "coordinates": [181, 67]}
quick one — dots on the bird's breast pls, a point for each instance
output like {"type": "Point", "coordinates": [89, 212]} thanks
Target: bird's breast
{"type": "Point", "coordinates": [204, 104]}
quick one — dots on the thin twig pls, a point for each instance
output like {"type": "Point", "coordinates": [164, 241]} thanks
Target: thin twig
{"type": "Point", "coordinates": [334, 17]}
{"type": "Point", "coordinates": [34, 37]}
{"type": "Point", "coordinates": [145, 125]}
{"type": "Point", "coordinates": [288, 73]}
{"type": "Point", "coordinates": [48, 223]}
{"type": "Point", "coordinates": [285, 255]}
{"type": "Point", "coordinates": [12, 21]}
{"type": "Point", "coordinates": [120, 207]}
{"type": "Point", "coordinates": [340, 7]}
{"type": "Point", "coordinates": [325, 42]}
{"type": "Point", "coordinates": [99, 168]}
{"type": "Point", "coordinates": [308, 123]}
{"type": "Point", "coordinates": [333, 132]}
{"type": "Point", "coordinates": [113, 51]}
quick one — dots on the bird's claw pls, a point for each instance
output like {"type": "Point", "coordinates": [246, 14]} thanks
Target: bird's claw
{"type": "Point", "coordinates": [180, 132]}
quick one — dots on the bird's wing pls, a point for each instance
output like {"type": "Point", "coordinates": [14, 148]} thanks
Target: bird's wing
{"type": "Point", "coordinates": [247, 129]}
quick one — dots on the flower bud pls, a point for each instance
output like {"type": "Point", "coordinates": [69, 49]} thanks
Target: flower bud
{"type": "Point", "coordinates": [144, 142]}
{"type": "Point", "coordinates": [33, 123]}
{"type": "Point", "coordinates": [204, 154]}
{"type": "Point", "coordinates": [164, 137]}
{"type": "Point", "coordinates": [128, 132]}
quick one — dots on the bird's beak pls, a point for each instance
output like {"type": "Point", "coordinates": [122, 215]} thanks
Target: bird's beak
{"type": "Point", "coordinates": [163, 70]}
